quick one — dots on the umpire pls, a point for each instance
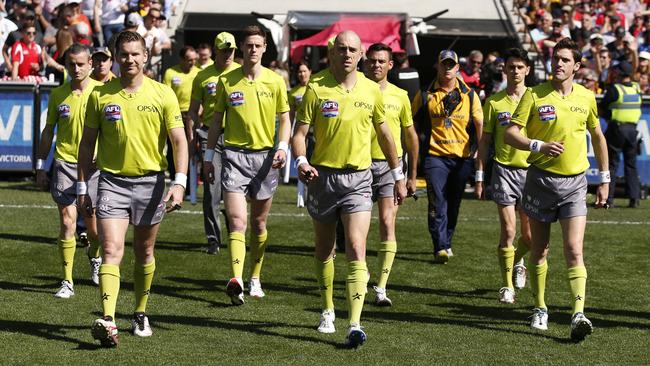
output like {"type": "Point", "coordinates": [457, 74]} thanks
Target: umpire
{"type": "Point", "coordinates": [621, 107]}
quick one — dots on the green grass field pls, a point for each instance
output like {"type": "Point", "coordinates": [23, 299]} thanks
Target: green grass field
{"type": "Point", "coordinates": [442, 314]}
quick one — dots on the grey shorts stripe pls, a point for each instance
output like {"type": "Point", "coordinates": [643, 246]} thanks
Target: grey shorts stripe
{"type": "Point", "coordinates": [139, 199]}
{"type": "Point", "coordinates": [338, 191]}
{"type": "Point", "coordinates": [507, 184]}
{"type": "Point", "coordinates": [383, 184]}
{"type": "Point", "coordinates": [249, 172]}
{"type": "Point", "coordinates": [63, 186]}
{"type": "Point", "coordinates": [549, 197]}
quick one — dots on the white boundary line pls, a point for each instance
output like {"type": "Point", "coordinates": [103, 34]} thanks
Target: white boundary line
{"type": "Point", "coordinates": [405, 218]}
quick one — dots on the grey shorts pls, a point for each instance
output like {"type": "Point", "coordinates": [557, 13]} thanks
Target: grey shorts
{"type": "Point", "coordinates": [139, 199]}
{"type": "Point", "coordinates": [549, 197]}
{"type": "Point", "coordinates": [383, 184]}
{"type": "Point", "coordinates": [249, 172]}
{"type": "Point", "coordinates": [339, 191]}
{"type": "Point", "coordinates": [63, 186]}
{"type": "Point", "coordinates": [507, 184]}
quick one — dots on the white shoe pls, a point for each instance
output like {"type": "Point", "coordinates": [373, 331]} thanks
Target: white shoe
{"type": "Point", "coordinates": [356, 336]}
{"type": "Point", "coordinates": [66, 290]}
{"type": "Point", "coordinates": [256, 288]}
{"type": "Point", "coordinates": [326, 324]}
{"type": "Point", "coordinates": [235, 290]}
{"type": "Point", "coordinates": [94, 269]}
{"type": "Point", "coordinates": [580, 327]}
{"type": "Point", "coordinates": [449, 252]}
{"type": "Point", "coordinates": [539, 320]}
{"type": "Point", "coordinates": [519, 275]}
{"type": "Point", "coordinates": [105, 331]}
{"type": "Point", "coordinates": [506, 295]}
{"type": "Point", "coordinates": [380, 297]}
{"type": "Point", "coordinates": [140, 325]}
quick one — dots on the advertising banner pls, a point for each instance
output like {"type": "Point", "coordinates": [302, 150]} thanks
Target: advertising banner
{"type": "Point", "coordinates": [16, 129]}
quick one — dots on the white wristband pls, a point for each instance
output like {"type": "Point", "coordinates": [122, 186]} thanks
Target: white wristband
{"type": "Point", "coordinates": [180, 179]}
{"type": "Point", "coordinates": [397, 173]}
{"type": "Point", "coordinates": [82, 188]}
{"type": "Point", "coordinates": [605, 176]}
{"type": "Point", "coordinates": [535, 145]}
{"type": "Point", "coordinates": [284, 146]}
{"type": "Point", "coordinates": [479, 176]}
{"type": "Point", "coordinates": [208, 155]}
{"type": "Point", "coordinates": [301, 160]}
{"type": "Point", "coordinates": [39, 164]}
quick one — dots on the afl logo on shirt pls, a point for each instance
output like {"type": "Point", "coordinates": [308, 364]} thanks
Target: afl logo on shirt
{"type": "Point", "coordinates": [211, 88]}
{"type": "Point", "coordinates": [504, 118]}
{"type": "Point", "coordinates": [176, 81]}
{"type": "Point", "coordinates": [330, 109]}
{"type": "Point", "coordinates": [546, 113]}
{"type": "Point", "coordinates": [236, 98]}
{"type": "Point", "coordinates": [64, 111]}
{"type": "Point", "coordinates": [113, 113]}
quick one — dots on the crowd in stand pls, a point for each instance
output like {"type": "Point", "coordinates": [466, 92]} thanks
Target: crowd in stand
{"type": "Point", "coordinates": [611, 33]}
{"type": "Point", "coordinates": [34, 34]}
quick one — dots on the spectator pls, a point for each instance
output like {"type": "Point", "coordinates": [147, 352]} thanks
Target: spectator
{"type": "Point", "coordinates": [589, 79]}
{"type": "Point", "coordinates": [56, 62]}
{"type": "Point", "coordinates": [109, 17]}
{"type": "Point", "coordinates": [590, 55]}
{"type": "Point", "coordinates": [644, 65]}
{"type": "Point", "coordinates": [644, 84]}
{"type": "Point", "coordinates": [581, 32]}
{"type": "Point", "coordinates": [205, 56]}
{"type": "Point", "coordinates": [603, 63]}
{"type": "Point", "coordinates": [638, 27]}
{"type": "Point", "coordinates": [622, 48]}
{"type": "Point", "coordinates": [102, 65]}
{"type": "Point", "coordinates": [6, 27]}
{"type": "Point", "coordinates": [73, 15]}
{"type": "Point", "coordinates": [645, 43]}
{"type": "Point", "coordinates": [543, 29]}
{"type": "Point", "coordinates": [403, 75]}
{"type": "Point", "coordinates": [609, 32]}
{"type": "Point", "coordinates": [471, 73]}
{"type": "Point", "coordinates": [610, 10]}
{"type": "Point", "coordinates": [549, 43]}
{"type": "Point", "coordinates": [26, 54]}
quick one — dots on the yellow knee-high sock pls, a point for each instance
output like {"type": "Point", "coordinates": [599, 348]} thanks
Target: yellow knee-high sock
{"type": "Point", "coordinates": [237, 252]}
{"type": "Point", "coordinates": [521, 251]}
{"type": "Point", "coordinates": [538, 283]}
{"type": "Point", "coordinates": [578, 283]}
{"type": "Point", "coordinates": [93, 249]}
{"type": "Point", "coordinates": [109, 287]}
{"type": "Point", "coordinates": [386, 256]}
{"type": "Point", "coordinates": [258, 246]}
{"type": "Point", "coordinates": [506, 262]}
{"type": "Point", "coordinates": [66, 250]}
{"type": "Point", "coordinates": [325, 277]}
{"type": "Point", "coordinates": [357, 286]}
{"type": "Point", "coordinates": [142, 279]}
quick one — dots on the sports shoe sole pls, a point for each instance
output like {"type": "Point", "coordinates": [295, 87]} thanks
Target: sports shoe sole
{"type": "Point", "coordinates": [356, 338]}
{"type": "Point", "coordinates": [384, 303]}
{"type": "Point", "coordinates": [234, 289]}
{"type": "Point", "coordinates": [581, 331]}
{"type": "Point", "coordinates": [103, 335]}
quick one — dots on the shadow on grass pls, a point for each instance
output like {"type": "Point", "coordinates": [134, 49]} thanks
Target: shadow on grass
{"type": "Point", "coordinates": [180, 246]}
{"type": "Point", "coordinates": [13, 286]}
{"type": "Point", "coordinates": [263, 328]}
{"type": "Point", "coordinates": [30, 238]}
{"type": "Point", "coordinates": [54, 332]}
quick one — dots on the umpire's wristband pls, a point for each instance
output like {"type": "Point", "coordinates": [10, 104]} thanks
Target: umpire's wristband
{"type": "Point", "coordinates": [284, 146]}
{"type": "Point", "coordinates": [82, 188]}
{"type": "Point", "coordinates": [39, 164]}
{"type": "Point", "coordinates": [208, 155]}
{"type": "Point", "coordinates": [180, 179]}
{"type": "Point", "coordinates": [397, 174]}
{"type": "Point", "coordinates": [301, 160]}
{"type": "Point", "coordinates": [479, 176]}
{"type": "Point", "coordinates": [535, 145]}
{"type": "Point", "coordinates": [605, 177]}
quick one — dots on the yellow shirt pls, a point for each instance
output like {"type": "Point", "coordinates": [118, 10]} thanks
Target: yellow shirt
{"type": "Point", "coordinates": [397, 108]}
{"type": "Point", "coordinates": [548, 116]}
{"type": "Point", "coordinates": [497, 113]}
{"type": "Point", "coordinates": [204, 90]}
{"type": "Point", "coordinates": [66, 110]}
{"type": "Point", "coordinates": [181, 84]}
{"type": "Point", "coordinates": [251, 107]}
{"type": "Point", "coordinates": [450, 139]}
{"type": "Point", "coordinates": [133, 127]}
{"type": "Point", "coordinates": [295, 96]}
{"type": "Point", "coordinates": [343, 121]}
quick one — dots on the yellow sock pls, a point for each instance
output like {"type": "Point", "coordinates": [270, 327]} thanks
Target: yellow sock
{"type": "Point", "coordinates": [258, 246]}
{"type": "Point", "coordinates": [386, 256]}
{"type": "Point", "coordinates": [506, 262]}
{"type": "Point", "coordinates": [538, 283]}
{"type": "Point", "coordinates": [142, 278]}
{"type": "Point", "coordinates": [578, 283]}
{"type": "Point", "coordinates": [357, 286]}
{"type": "Point", "coordinates": [237, 252]}
{"type": "Point", "coordinates": [521, 251]}
{"type": "Point", "coordinates": [93, 249]}
{"type": "Point", "coordinates": [325, 277]}
{"type": "Point", "coordinates": [109, 287]}
{"type": "Point", "coordinates": [66, 250]}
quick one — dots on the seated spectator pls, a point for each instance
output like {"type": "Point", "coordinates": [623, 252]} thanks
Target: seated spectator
{"type": "Point", "coordinates": [645, 43]}
{"type": "Point", "coordinates": [582, 30]}
{"type": "Point", "coordinates": [609, 32]}
{"type": "Point", "coordinates": [589, 79]}
{"type": "Point", "coordinates": [603, 63]}
{"type": "Point", "coordinates": [644, 84]}
{"type": "Point", "coordinates": [619, 48]}
{"type": "Point", "coordinates": [26, 55]}
{"type": "Point", "coordinates": [638, 26]}
{"type": "Point", "coordinates": [543, 29]}
{"type": "Point", "coordinates": [81, 33]}
{"type": "Point", "coordinates": [644, 65]}
{"type": "Point", "coordinates": [610, 10]}
{"type": "Point", "coordinates": [589, 56]}
{"type": "Point", "coordinates": [548, 44]}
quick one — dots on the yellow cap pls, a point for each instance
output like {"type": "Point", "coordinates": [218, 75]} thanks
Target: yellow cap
{"type": "Point", "coordinates": [330, 42]}
{"type": "Point", "coordinates": [224, 40]}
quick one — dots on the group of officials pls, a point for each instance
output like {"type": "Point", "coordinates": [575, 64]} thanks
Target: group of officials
{"type": "Point", "coordinates": [110, 159]}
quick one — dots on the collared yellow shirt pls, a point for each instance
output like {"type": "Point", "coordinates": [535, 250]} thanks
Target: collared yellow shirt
{"type": "Point", "coordinates": [497, 114]}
